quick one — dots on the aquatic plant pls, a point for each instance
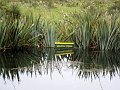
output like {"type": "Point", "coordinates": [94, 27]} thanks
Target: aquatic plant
{"type": "Point", "coordinates": [89, 29]}
{"type": "Point", "coordinates": [50, 35]}
{"type": "Point", "coordinates": [108, 33]}
{"type": "Point", "coordinates": [96, 31]}
{"type": "Point", "coordinates": [24, 31]}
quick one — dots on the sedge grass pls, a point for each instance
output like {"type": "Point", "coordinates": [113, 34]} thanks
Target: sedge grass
{"type": "Point", "coordinates": [96, 31]}
{"type": "Point", "coordinates": [87, 29]}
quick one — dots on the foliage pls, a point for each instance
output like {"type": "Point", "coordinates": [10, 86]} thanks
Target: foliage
{"type": "Point", "coordinates": [19, 32]}
{"type": "Point", "coordinates": [89, 24]}
{"type": "Point", "coordinates": [97, 31]}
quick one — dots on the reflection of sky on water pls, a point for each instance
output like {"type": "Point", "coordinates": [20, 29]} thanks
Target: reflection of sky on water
{"type": "Point", "coordinates": [82, 71]}
{"type": "Point", "coordinates": [68, 81]}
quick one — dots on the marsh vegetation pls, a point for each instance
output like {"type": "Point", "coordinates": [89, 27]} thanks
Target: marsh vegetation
{"type": "Point", "coordinates": [31, 29]}
{"type": "Point", "coordinates": [91, 25]}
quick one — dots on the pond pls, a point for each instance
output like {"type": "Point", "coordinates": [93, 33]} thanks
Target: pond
{"type": "Point", "coordinates": [59, 69]}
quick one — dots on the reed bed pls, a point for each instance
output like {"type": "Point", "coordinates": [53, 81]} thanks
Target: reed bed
{"type": "Point", "coordinates": [19, 33]}
{"type": "Point", "coordinates": [17, 30]}
{"type": "Point", "coordinates": [89, 30]}
{"type": "Point", "coordinates": [95, 31]}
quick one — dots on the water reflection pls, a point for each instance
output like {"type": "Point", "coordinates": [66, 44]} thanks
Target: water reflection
{"type": "Point", "coordinates": [88, 65]}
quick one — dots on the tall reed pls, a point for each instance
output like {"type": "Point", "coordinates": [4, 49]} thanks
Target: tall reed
{"type": "Point", "coordinates": [17, 30]}
{"type": "Point", "coordinates": [108, 33]}
{"type": "Point", "coordinates": [96, 31]}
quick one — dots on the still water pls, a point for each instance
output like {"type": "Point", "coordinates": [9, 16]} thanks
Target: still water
{"type": "Point", "coordinates": [52, 69]}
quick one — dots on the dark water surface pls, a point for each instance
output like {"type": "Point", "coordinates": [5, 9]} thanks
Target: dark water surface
{"type": "Point", "coordinates": [52, 69]}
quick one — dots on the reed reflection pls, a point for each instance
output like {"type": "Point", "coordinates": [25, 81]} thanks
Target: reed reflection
{"type": "Point", "coordinates": [89, 65]}
{"type": "Point", "coordinates": [93, 64]}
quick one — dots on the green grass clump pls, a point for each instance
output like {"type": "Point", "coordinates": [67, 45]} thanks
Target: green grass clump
{"type": "Point", "coordinates": [96, 31]}
{"type": "Point", "coordinates": [93, 25]}
{"type": "Point", "coordinates": [17, 30]}
{"type": "Point", "coordinates": [108, 33]}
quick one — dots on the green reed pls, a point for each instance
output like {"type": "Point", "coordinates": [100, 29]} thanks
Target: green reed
{"type": "Point", "coordinates": [96, 31]}
{"type": "Point", "coordinates": [17, 30]}
{"type": "Point", "coordinates": [108, 33]}
{"type": "Point", "coordinates": [91, 30]}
